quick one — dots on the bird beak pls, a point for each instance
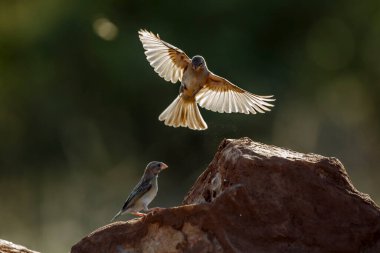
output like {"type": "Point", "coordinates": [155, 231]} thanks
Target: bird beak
{"type": "Point", "coordinates": [163, 166]}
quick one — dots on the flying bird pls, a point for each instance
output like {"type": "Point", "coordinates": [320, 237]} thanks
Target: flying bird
{"type": "Point", "coordinates": [144, 192]}
{"type": "Point", "coordinates": [198, 86]}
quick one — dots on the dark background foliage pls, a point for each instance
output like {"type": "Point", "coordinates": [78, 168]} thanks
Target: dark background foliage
{"type": "Point", "coordinates": [79, 102]}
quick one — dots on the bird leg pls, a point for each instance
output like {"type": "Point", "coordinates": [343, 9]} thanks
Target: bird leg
{"type": "Point", "coordinates": [139, 214]}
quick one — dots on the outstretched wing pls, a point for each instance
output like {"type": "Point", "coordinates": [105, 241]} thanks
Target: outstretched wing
{"type": "Point", "coordinates": [137, 192]}
{"type": "Point", "coordinates": [167, 60]}
{"type": "Point", "coordinates": [220, 95]}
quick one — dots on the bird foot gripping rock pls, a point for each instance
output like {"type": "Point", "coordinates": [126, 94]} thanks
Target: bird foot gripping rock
{"type": "Point", "coordinates": [255, 198]}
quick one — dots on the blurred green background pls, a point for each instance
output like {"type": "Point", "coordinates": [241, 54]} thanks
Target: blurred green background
{"type": "Point", "coordinates": [79, 103]}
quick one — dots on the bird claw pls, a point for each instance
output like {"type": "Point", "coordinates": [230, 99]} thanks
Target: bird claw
{"type": "Point", "coordinates": [139, 214]}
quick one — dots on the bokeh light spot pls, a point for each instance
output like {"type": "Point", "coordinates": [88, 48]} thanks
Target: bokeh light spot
{"type": "Point", "coordinates": [105, 29]}
{"type": "Point", "coordinates": [346, 101]}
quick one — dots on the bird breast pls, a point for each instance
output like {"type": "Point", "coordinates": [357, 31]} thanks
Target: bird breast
{"type": "Point", "coordinates": [193, 81]}
{"type": "Point", "coordinates": [151, 194]}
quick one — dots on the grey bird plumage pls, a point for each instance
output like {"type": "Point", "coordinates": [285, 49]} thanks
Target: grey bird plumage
{"type": "Point", "coordinates": [144, 192]}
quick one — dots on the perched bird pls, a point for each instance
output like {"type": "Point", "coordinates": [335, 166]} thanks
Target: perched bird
{"type": "Point", "coordinates": [198, 85]}
{"type": "Point", "coordinates": [144, 192]}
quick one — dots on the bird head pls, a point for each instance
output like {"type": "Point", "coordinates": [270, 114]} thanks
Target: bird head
{"type": "Point", "coordinates": [153, 168]}
{"type": "Point", "coordinates": [198, 62]}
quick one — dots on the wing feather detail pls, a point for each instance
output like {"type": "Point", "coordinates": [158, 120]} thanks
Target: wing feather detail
{"type": "Point", "coordinates": [167, 60]}
{"type": "Point", "coordinates": [139, 190]}
{"type": "Point", "coordinates": [220, 95]}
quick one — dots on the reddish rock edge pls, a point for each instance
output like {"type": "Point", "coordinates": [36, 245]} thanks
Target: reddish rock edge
{"type": "Point", "coordinates": [255, 198]}
{"type": "Point", "coordinates": [9, 247]}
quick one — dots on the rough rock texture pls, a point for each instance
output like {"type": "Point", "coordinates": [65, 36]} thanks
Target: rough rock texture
{"type": "Point", "coordinates": [8, 247]}
{"type": "Point", "coordinates": [255, 198]}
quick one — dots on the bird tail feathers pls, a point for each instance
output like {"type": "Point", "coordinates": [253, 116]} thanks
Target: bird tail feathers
{"type": "Point", "coordinates": [183, 112]}
{"type": "Point", "coordinates": [117, 215]}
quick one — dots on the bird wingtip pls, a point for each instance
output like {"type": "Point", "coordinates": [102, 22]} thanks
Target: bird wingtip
{"type": "Point", "coordinates": [144, 32]}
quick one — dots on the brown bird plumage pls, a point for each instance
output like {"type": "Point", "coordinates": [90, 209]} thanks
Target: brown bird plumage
{"type": "Point", "coordinates": [198, 86]}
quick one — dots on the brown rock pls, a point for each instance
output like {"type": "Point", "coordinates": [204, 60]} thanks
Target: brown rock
{"type": "Point", "coordinates": [9, 247]}
{"type": "Point", "coordinates": [255, 198]}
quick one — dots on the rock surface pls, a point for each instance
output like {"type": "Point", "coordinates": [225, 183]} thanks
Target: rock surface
{"type": "Point", "coordinates": [255, 198]}
{"type": "Point", "coordinates": [9, 247]}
